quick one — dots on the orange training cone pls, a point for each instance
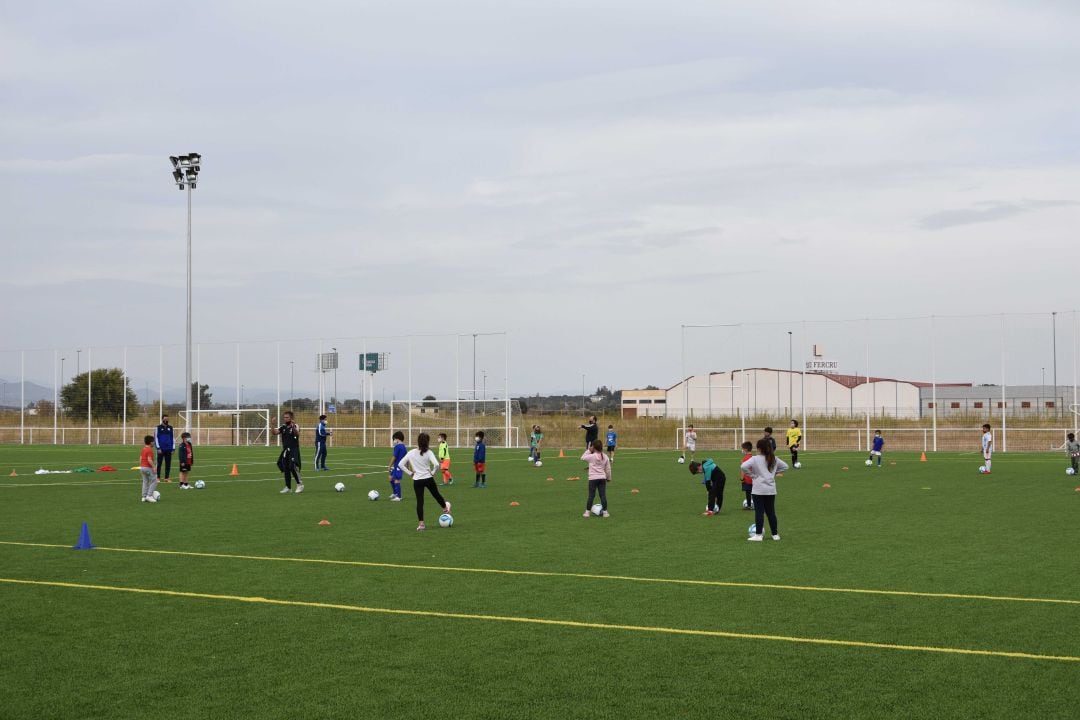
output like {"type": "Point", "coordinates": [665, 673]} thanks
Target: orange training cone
{"type": "Point", "coordinates": [324, 522]}
{"type": "Point", "coordinates": [562, 454]}
{"type": "Point", "coordinates": [922, 458]}
{"type": "Point", "coordinates": [237, 472]}
{"type": "Point", "coordinates": [515, 503]}
{"type": "Point", "coordinates": [635, 491]}
{"type": "Point", "coordinates": [826, 485]}
{"type": "Point", "coordinates": [13, 473]}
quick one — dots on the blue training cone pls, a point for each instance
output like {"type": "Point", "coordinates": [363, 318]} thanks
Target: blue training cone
{"type": "Point", "coordinates": [84, 539]}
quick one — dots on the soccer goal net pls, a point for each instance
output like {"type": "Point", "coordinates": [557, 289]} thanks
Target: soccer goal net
{"type": "Point", "coordinates": [500, 420]}
{"type": "Point", "coordinates": [233, 426]}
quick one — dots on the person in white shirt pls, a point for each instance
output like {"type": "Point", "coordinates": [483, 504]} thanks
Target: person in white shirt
{"type": "Point", "coordinates": [763, 469]}
{"type": "Point", "coordinates": [987, 446]}
{"type": "Point", "coordinates": [689, 442]}
{"type": "Point", "coordinates": [421, 464]}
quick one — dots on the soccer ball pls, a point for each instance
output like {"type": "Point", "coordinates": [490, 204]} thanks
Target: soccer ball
{"type": "Point", "coordinates": [868, 462]}
{"type": "Point", "coordinates": [157, 495]}
{"type": "Point", "coordinates": [372, 494]}
{"type": "Point", "coordinates": [1069, 471]}
{"type": "Point", "coordinates": [539, 464]}
{"type": "Point", "coordinates": [446, 520]}
{"type": "Point", "coordinates": [340, 487]}
{"type": "Point", "coordinates": [681, 460]}
{"type": "Point", "coordinates": [982, 469]}
{"type": "Point", "coordinates": [752, 530]}
{"type": "Point", "coordinates": [798, 465]}
{"type": "Point", "coordinates": [199, 484]}
{"type": "Point", "coordinates": [597, 509]}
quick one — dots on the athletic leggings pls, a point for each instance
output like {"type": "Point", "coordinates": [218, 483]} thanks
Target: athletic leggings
{"type": "Point", "coordinates": [716, 493]}
{"type": "Point", "coordinates": [765, 505]}
{"type": "Point", "coordinates": [594, 487]}
{"type": "Point", "coordinates": [290, 473]}
{"type": "Point", "coordinates": [166, 456]}
{"type": "Point", "coordinates": [432, 487]}
{"type": "Point", "coordinates": [794, 455]}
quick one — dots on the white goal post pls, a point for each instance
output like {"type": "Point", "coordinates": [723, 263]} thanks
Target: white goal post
{"type": "Point", "coordinates": [249, 426]}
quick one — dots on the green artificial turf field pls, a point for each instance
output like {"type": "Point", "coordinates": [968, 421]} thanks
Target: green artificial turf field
{"type": "Point", "coordinates": [920, 590]}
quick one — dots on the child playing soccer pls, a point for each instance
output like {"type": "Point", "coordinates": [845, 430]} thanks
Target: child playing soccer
{"type": "Point", "coordinates": [535, 441]}
{"type": "Point", "coordinates": [444, 460]}
{"type": "Point", "coordinates": [879, 443]}
{"type": "Point", "coordinates": [395, 465]}
{"type": "Point", "coordinates": [611, 438]}
{"type": "Point", "coordinates": [421, 464]}
{"type": "Point", "coordinates": [479, 460]}
{"type": "Point", "coordinates": [599, 476]}
{"type": "Point", "coordinates": [763, 468]}
{"type": "Point", "coordinates": [689, 443]}
{"type": "Point", "coordinates": [146, 469]}
{"type": "Point", "coordinates": [187, 459]}
{"type": "Point", "coordinates": [771, 440]}
{"type": "Point", "coordinates": [792, 440]}
{"type": "Point", "coordinates": [747, 481]}
{"type": "Point", "coordinates": [713, 481]}
{"type": "Point", "coordinates": [987, 446]}
{"type": "Point", "coordinates": [1072, 449]}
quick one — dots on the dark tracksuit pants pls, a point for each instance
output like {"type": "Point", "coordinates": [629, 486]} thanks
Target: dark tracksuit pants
{"type": "Point", "coordinates": [765, 506]}
{"type": "Point", "coordinates": [320, 454]}
{"type": "Point", "coordinates": [290, 468]}
{"type": "Point", "coordinates": [715, 486]}
{"type": "Point", "coordinates": [166, 457]}
{"type": "Point", "coordinates": [432, 487]}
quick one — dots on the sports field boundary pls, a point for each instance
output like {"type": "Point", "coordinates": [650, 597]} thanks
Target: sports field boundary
{"type": "Point", "coordinates": [556, 574]}
{"type": "Point", "coordinates": [1015, 655]}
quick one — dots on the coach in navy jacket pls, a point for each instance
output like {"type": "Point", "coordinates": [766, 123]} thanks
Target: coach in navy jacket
{"type": "Point", "coordinates": [163, 439]}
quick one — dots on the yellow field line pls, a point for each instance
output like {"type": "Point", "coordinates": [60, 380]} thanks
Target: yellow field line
{"type": "Point", "coordinates": [550, 622]}
{"type": "Point", "coordinates": [554, 574]}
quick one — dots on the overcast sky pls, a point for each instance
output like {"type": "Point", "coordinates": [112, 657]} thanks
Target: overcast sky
{"type": "Point", "coordinates": [587, 175]}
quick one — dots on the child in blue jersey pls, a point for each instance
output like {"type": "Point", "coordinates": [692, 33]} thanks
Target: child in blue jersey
{"type": "Point", "coordinates": [879, 443]}
{"type": "Point", "coordinates": [611, 437]}
{"type": "Point", "coordinates": [714, 481]}
{"type": "Point", "coordinates": [395, 466]}
{"type": "Point", "coordinates": [479, 459]}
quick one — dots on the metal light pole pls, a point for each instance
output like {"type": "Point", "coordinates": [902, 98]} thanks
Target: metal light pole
{"type": "Point", "coordinates": [78, 362]}
{"type": "Point", "coordinates": [484, 372]}
{"type": "Point", "coordinates": [292, 383]}
{"type": "Point", "coordinates": [335, 374]}
{"type": "Point", "coordinates": [790, 369]}
{"type": "Point", "coordinates": [1053, 335]}
{"type": "Point", "coordinates": [582, 393]}
{"type": "Point", "coordinates": [186, 174]}
{"type": "Point", "coordinates": [474, 367]}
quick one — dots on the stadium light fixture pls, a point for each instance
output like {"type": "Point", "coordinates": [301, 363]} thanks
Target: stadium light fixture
{"type": "Point", "coordinates": [185, 173]}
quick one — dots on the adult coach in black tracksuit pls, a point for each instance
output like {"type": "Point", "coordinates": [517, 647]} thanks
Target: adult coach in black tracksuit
{"type": "Point", "coordinates": [289, 460]}
{"type": "Point", "coordinates": [592, 432]}
{"type": "Point", "coordinates": [163, 438]}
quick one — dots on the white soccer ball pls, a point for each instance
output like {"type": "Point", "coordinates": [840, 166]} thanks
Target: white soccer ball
{"type": "Point", "coordinates": [539, 464]}
{"type": "Point", "coordinates": [869, 462]}
{"type": "Point", "coordinates": [752, 530]}
{"type": "Point", "coordinates": [446, 520]}
{"type": "Point", "coordinates": [597, 509]}
{"type": "Point", "coordinates": [373, 495]}
{"type": "Point", "coordinates": [982, 469]}
{"type": "Point", "coordinates": [1069, 471]}
{"type": "Point", "coordinates": [340, 487]}
{"type": "Point", "coordinates": [157, 495]}
{"type": "Point", "coordinates": [798, 465]}
{"type": "Point", "coordinates": [681, 460]}
{"type": "Point", "coordinates": [199, 484]}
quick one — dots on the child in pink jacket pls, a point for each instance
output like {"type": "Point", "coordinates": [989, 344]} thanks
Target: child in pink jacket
{"type": "Point", "coordinates": [599, 476]}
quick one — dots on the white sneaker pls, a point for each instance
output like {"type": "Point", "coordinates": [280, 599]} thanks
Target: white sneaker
{"type": "Point", "coordinates": [447, 508]}
{"type": "Point", "coordinates": [299, 488]}
{"type": "Point", "coordinates": [395, 498]}
{"type": "Point", "coordinates": [605, 514]}
{"type": "Point", "coordinates": [586, 514]}
{"type": "Point", "coordinates": [755, 538]}
{"type": "Point", "coordinates": [285, 491]}
{"type": "Point", "coordinates": [144, 499]}
{"type": "Point", "coordinates": [775, 537]}
{"type": "Point", "coordinates": [150, 499]}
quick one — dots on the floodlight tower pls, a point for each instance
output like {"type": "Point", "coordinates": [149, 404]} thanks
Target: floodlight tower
{"type": "Point", "coordinates": [186, 174]}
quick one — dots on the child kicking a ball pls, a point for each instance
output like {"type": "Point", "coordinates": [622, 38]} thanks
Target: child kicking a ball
{"type": "Point", "coordinates": [398, 438]}
{"type": "Point", "coordinates": [421, 464]}
{"type": "Point", "coordinates": [599, 476]}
